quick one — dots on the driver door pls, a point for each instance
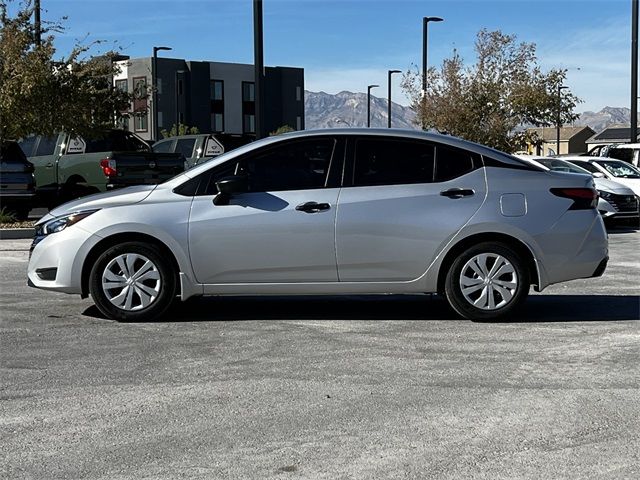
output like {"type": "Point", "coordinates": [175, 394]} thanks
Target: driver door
{"type": "Point", "coordinates": [282, 229]}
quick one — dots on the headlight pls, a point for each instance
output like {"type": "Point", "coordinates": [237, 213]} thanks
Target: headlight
{"type": "Point", "coordinates": [605, 195]}
{"type": "Point", "coordinates": [60, 223]}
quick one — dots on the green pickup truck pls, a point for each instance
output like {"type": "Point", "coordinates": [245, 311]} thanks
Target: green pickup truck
{"type": "Point", "coordinates": [67, 167]}
{"type": "Point", "coordinates": [201, 147]}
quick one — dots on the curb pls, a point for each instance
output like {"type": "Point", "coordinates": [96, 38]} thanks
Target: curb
{"type": "Point", "coordinates": [16, 233]}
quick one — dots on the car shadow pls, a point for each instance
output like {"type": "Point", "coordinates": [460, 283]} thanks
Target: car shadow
{"type": "Point", "coordinates": [537, 308]}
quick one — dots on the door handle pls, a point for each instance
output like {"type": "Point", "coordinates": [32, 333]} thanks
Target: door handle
{"type": "Point", "coordinates": [457, 192]}
{"type": "Point", "coordinates": [313, 207]}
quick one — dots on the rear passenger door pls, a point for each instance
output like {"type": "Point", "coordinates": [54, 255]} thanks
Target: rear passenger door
{"type": "Point", "coordinates": [402, 201]}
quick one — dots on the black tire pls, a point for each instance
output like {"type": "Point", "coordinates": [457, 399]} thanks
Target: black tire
{"type": "Point", "coordinates": [127, 303]}
{"type": "Point", "coordinates": [515, 274]}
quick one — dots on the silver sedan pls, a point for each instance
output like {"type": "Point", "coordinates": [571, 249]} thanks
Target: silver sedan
{"type": "Point", "coordinates": [329, 212]}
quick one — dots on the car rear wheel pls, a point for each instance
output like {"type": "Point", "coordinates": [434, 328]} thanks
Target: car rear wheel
{"type": "Point", "coordinates": [132, 282]}
{"type": "Point", "coordinates": [487, 281]}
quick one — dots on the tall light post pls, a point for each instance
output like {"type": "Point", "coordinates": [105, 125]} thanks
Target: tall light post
{"type": "Point", "coordinates": [425, 39]}
{"type": "Point", "coordinates": [37, 26]}
{"type": "Point", "coordinates": [389, 73]}
{"type": "Point", "coordinates": [154, 87]}
{"type": "Point", "coordinates": [633, 133]}
{"type": "Point", "coordinates": [369, 87]}
{"type": "Point", "coordinates": [425, 30]}
{"type": "Point", "coordinates": [560, 88]}
{"type": "Point", "coordinates": [258, 65]}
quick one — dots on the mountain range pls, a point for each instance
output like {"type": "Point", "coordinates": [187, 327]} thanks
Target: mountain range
{"type": "Point", "coordinates": [348, 109]}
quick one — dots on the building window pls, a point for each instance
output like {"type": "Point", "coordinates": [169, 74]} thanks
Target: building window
{"type": "Point", "coordinates": [217, 122]}
{"type": "Point", "coordinates": [122, 85]}
{"type": "Point", "coordinates": [140, 122]}
{"type": "Point", "coordinates": [217, 90]}
{"type": "Point", "coordinates": [298, 122]}
{"type": "Point", "coordinates": [248, 92]}
{"type": "Point", "coordinates": [298, 94]}
{"type": "Point", "coordinates": [179, 87]}
{"type": "Point", "coordinates": [248, 107]}
{"type": "Point", "coordinates": [217, 106]}
{"type": "Point", "coordinates": [249, 123]}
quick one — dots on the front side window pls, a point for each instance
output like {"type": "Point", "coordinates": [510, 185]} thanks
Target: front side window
{"type": "Point", "coordinates": [387, 161]}
{"type": "Point", "coordinates": [46, 146]}
{"type": "Point", "coordinates": [27, 144]}
{"type": "Point", "coordinates": [163, 146]}
{"type": "Point", "coordinates": [298, 165]}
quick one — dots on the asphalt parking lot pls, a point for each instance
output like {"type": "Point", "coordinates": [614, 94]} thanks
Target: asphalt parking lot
{"type": "Point", "coordinates": [330, 388]}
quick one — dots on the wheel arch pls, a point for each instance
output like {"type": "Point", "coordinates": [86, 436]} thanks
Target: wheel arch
{"type": "Point", "coordinates": [520, 247]}
{"type": "Point", "coordinates": [116, 239]}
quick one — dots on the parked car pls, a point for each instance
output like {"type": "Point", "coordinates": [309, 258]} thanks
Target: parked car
{"type": "Point", "coordinates": [67, 168]}
{"type": "Point", "coordinates": [616, 170]}
{"type": "Point", "coordinates": [346, 211]}
{"type": "Point", "coordinates": [200, 148]}
{"type": "Point", "coordinates": [616, 203]}
{"type": "Point", "coordinates": [627, 152]}
{"type": "Point", "coordinates": [17, 185]}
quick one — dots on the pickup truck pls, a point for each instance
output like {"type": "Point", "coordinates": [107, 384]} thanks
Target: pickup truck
{"type": "Point", "coordinates": [627, 152]}
{"type": "Point", "coordinates": [199, 148]}
{"type": "Point", "coordinates": [68, 167]}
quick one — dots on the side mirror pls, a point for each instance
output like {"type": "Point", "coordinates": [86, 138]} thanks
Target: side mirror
{"type": "Point", "coordinates": [598, 175]}
{"type": "Point", "coordinates": [229, 186]}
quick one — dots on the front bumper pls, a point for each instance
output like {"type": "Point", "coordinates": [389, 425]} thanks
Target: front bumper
{"type": "Point", "coordinates": [55, 260]}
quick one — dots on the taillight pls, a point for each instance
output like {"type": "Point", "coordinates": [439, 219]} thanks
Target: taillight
{"type": "Point", "coordinates": [583, 198]}
{"type": "Point", "coordinates": [108, 166]}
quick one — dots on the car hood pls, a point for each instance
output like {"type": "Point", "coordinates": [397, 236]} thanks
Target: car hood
{"type": "Point", "coordinates": [116, 198]}
{"type": "Point", "coordinates": [632, 183]}
{"type": "Point", "coordinates": [607, 185]}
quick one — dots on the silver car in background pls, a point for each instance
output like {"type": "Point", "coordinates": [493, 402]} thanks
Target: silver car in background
{"type": "Point", "coordinates": [617, 203]}
{"type": "Point", "coordinates": [348, 211]}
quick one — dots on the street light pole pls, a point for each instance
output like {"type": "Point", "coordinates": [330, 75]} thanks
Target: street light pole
{"type": "Point", "coordinates": [389, 73]}
{"type": "Point", "coordinates": [37, 26]}
{"type": "Point", "coordinates": [560, 88]}
{"type": "Point", "coordinates": [633, 133]}
{"type": "Point", "coordinates": [154, 87]}
{"type": "Point", "coordinates": [258, 63]}
{"type": "Point", "coordinates": [425, 38]}
{"type": "Point", "coordinates": [369, 87]}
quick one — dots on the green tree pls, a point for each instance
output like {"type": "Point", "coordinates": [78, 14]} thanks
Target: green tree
{"type": "Point", "coordinates": [492, 101]}
{"type": "Point", "coordinates": [42, 94]}
{"type": "Point", "coordinates": [180, 130]}
{"type": "Point", "coordinates": [281, 130]}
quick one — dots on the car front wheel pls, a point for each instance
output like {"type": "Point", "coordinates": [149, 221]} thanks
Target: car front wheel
{"type": "Point", "coordinates": [132, 281]}
{"type": "Point", "coordinates": [487, 281]}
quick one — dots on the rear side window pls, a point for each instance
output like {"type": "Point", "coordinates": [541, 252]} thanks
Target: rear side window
{"type": "Point", "coordinates": [46, 146]}
{"type": "Point", "coordinates": [185, 146]}
{"type": "Point", "coordinates": [390, 161]}
{"type": "Point", "coordinates": [588, 166]}
{"type": "Point", "coordinates": [452, 163]}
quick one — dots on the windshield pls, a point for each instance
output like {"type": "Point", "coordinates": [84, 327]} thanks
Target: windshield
{"type": "Point", "coordinates": [561, 166]}
{"type": "Point", "coordinates": [619, 169]}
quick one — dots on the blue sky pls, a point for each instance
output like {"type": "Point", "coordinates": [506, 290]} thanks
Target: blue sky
{"type": "Point", "coordinates": [347, 44]}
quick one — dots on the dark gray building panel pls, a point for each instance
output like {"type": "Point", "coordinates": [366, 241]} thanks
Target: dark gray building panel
{"type": "Point", "coordinates": [185, 94]}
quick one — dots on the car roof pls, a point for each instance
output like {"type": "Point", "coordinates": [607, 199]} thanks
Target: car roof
{"type": "Point", "coordinates": [408, 133]}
